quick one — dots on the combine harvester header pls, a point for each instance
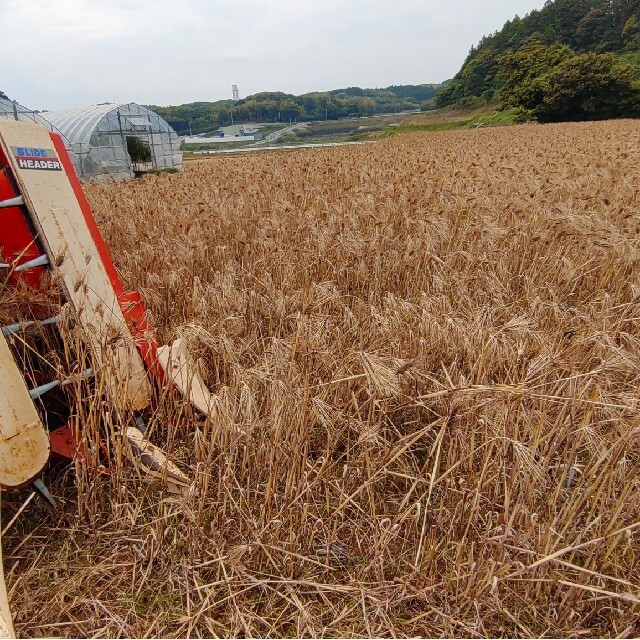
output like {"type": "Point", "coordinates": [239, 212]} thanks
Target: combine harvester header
{"type": "Point", "coordinates": [51, 248]}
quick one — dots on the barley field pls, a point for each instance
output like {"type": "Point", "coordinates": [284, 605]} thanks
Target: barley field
{"type": "Point", "coordinates": [425, 355]}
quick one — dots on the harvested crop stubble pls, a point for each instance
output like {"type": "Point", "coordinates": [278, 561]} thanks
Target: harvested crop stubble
{"type": "Point", "coordinates": [425, 354]}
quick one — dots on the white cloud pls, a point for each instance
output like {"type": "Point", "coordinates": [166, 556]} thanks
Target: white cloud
{"type": "Point", "coordinates": [69, 52]}
{"type": "Point", "coordinates": [71, 18]}
{"type": "Point", "coordinates": [98, 19]}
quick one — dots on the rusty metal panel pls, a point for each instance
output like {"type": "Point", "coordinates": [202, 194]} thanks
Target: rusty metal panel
{"type": "Point", "coordinates": [24, 442]}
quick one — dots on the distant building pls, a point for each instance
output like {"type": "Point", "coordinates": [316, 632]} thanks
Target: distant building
{"type": "Point", "coordinates": [234, 133]}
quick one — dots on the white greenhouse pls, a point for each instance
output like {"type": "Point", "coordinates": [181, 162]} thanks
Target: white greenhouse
{"type": "Point", "coordinates": [117, 140]}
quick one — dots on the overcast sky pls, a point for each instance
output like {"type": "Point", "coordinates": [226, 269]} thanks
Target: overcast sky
{"type": "Point", "coordinates": [64, 53]}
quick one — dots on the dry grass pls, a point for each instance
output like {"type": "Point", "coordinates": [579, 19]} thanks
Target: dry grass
{"type": "Point", "coordinates": [425, 354]}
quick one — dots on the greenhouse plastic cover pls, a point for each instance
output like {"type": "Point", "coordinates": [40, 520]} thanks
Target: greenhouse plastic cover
{"type": "Point", "coordinates": [78, 123]}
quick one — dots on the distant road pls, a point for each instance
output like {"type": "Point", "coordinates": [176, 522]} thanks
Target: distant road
{"type": "Point", "coordinates": [272, 137]}
{"type": "Point", "coordinates": [254, 147]}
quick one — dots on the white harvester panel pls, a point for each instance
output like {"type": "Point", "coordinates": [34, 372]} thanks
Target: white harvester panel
{"type": "Point", "coordinates": [62, 228]}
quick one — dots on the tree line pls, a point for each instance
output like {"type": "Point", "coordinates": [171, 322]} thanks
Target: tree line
{"type": "Point", "coordinates": [571, 60]}
{"type": "Point", "coordinates": [201, 117]}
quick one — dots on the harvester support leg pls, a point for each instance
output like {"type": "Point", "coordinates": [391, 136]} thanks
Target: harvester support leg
{"type": "Point", "coordinates": [6, 623]}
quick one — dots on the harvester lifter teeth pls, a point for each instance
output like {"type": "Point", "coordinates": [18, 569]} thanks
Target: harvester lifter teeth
{"type": "Point", "coordinates": [36, 392]}
{"type": "Point", "coordinates": [49, 386]}
{"type": "Point", "coordinates": [12, 202]}
{"type": "Point", "coordinates": [141, 424]}
{"type": "Point", "coordinates": [41, 488]}
{"type": "Point", "coordinates": [40, 261]}
{"type": "Point", "coordinates": [20, 326]}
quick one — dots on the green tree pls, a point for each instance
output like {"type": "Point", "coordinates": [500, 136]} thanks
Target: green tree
{"type": "Point", "coordinates": [518, 72]}
{"type": "Point", "coordinates": [631, 33]}
{"type": "Point", "coordinates": [360, 105]}
{"type": "Point", "coordinates": [595, 31]}
{"type": "Point", "coordinates": [587, 87]}
{"type": "Point", "coordinates": [290, 109]}
{"type": "Point", "coordinates": [595, 26]}
{"type": "Point", "coordinates": [474, 79]}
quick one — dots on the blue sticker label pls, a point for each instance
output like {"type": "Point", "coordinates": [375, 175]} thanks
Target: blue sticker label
{"type": "Point", "coordinates": [32, 158]}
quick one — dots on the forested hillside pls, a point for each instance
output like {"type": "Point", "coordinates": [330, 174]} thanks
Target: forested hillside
{"type": "Point", "coordinates": [573, 59]}
{"type": "Point", "coordinates": [282, 107]}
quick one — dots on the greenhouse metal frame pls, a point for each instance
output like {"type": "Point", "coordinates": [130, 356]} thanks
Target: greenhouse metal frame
{"type": "Point", "coordinates": [13, 110]}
